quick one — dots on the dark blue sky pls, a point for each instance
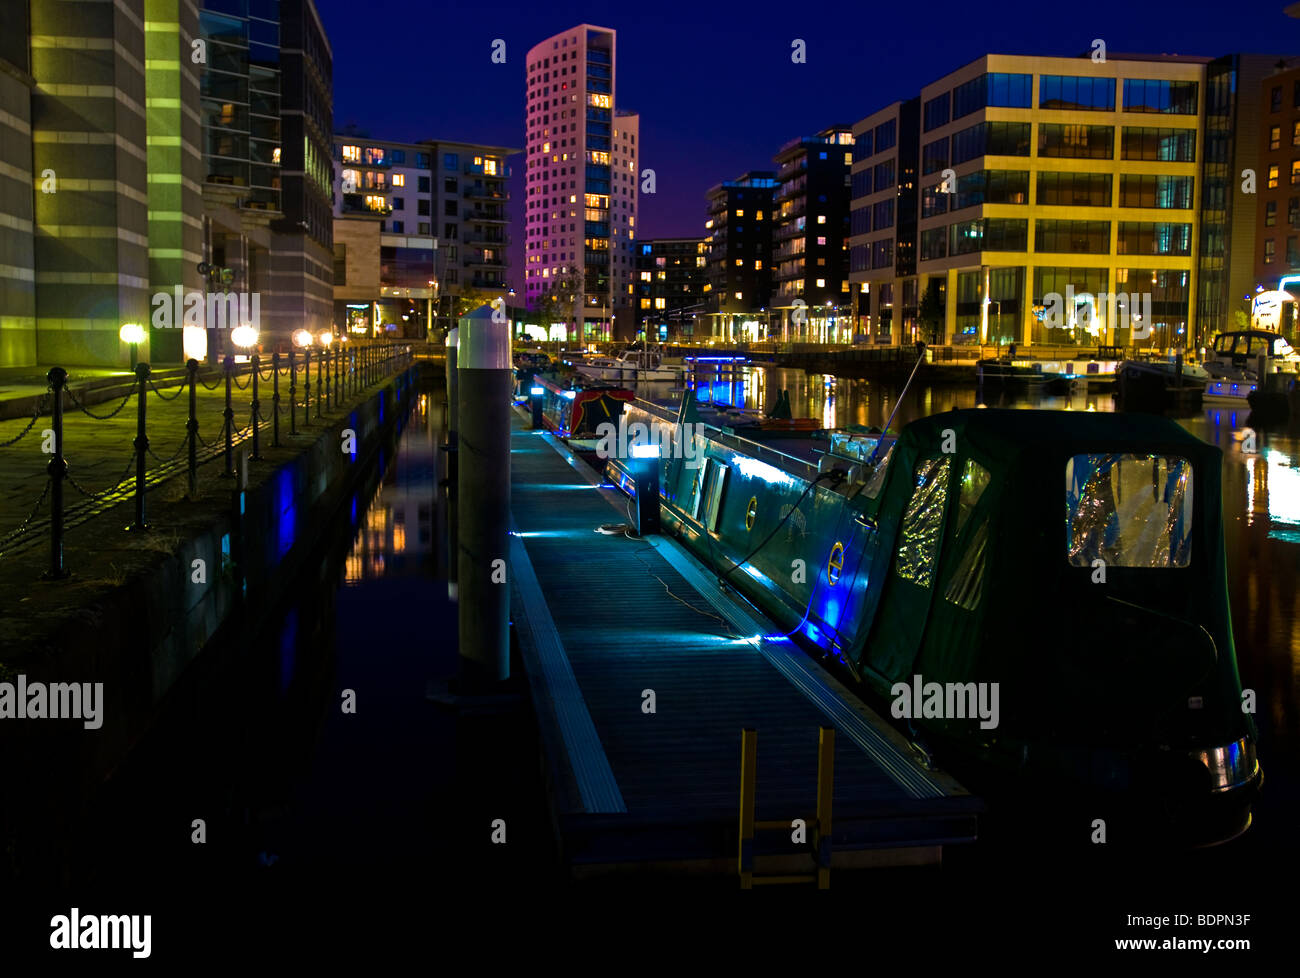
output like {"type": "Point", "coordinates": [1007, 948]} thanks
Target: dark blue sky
{"type": "Point", "coordinates": [713, 81]}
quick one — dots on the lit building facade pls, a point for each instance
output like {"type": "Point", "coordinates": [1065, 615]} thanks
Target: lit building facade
{"type": "Point", "coordinates": [267, 108]}
{"type": "Point", "coordinates": [810, 237]}
{"type": "Point", "coordinates": [882, 224]}
{"type": "Point", "coordinates": [671, 275]}
{"type": "Point", "coordinates": [417, 226]}
{"type": "Point", "coordinates": [1042, 179]}
{"type": "Point", "coordinates": [738, 258]}
{"type": "Point", "coordinates": [582, 181]}
{"type": "Point", "coordinates": [1277, 252]}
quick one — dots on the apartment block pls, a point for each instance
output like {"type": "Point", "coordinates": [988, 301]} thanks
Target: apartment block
{"type": "Point", "coordinates": [1277, 252]}
{"type": "Point", "coordinates": [671, 275]}
{"type": "Point", "coordinates": [810, 255]}
{"type": "Point", "coordinates": [416, 226]}
{"type": "Point", "coordinates": [882, 223]}
{"type": "Point", "coordinates": [738, 257]}
{"type": "Point", "coordinates": [582, 182]}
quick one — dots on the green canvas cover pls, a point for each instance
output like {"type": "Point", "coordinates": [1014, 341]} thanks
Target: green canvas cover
{"type": "Point", "coordinates": [979, 585]}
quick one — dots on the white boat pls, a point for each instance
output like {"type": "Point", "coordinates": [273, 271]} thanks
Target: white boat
{"type": "Point", "coordinates": [630, 365]}
{"type": "Point", "coordinates": [1241, 360]}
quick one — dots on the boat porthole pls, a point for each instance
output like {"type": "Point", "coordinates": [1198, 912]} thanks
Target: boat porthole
{"type": "Point", "coordinates": [751, 512]}
{"type": "Point", "coordinates": [835, 563]}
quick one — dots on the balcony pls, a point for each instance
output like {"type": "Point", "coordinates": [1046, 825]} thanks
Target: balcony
{"type": "Point", "coordinates": [484, 193]}
{"type": "Point", "coordinates": [478, 261]}
{"type": "Point", "coordinates": [495, 216]}
{"type": "Point", "coordinates": [358, 203]}
{"type": "Point", "coordinates": [489, 238]}
{"type": "Point", "coordinates": [365, 162]}
{"type": "Point", "coordinates": [497, 169]}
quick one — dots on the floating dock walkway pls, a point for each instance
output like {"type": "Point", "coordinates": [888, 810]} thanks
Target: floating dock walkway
{"type": "Point", "coordinates": [606, 623]}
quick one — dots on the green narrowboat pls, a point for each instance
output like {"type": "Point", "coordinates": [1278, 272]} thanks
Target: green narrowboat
{"type": "Point", "coordinates": [1066, 568]}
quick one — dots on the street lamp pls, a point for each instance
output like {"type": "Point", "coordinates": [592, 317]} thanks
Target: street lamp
{"type": "Point", "coordinates": [133, 335]}
{"type": "Point", "coordinates": [244, 337]}
{"type": "Point", "coordinates": [301, 338]}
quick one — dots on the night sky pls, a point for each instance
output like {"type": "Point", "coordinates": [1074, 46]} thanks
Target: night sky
{"type": "Point", "coordinates": [713, 81]}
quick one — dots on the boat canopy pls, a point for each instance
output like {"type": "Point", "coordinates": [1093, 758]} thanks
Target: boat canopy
{"type": "Point", "coordinates": [1077, 558]}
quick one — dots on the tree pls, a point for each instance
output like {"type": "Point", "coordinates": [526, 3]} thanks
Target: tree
{"type": "Point", "coordinates": [930, 313]}
{"type": "Point", "coordinates": [555, 305]}
{"type": "Point", "coordinates": [471, 299]}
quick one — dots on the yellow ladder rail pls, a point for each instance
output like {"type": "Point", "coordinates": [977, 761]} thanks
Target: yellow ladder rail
{"type": "Point", "coordinates": [820, 823]}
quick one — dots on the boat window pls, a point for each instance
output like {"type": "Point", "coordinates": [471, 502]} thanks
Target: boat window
{"type": "Point", "coordinates": [923, 522]}
{"type": "Point", "coordinates": [967, 584]}
{"type": "Point", "coordinates": [1128, 510]}
{"type": "Point", "coordinates": [974, 480]}
{"type": "Point", "coordinates": [1223, 343]}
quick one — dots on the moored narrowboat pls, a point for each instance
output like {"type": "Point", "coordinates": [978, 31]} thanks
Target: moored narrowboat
{"type": "Point", "coordinates": [1070, 563]}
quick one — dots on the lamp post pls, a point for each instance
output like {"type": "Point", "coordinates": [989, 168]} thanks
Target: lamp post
{"type": "Point", "coordinates": [132, 334]}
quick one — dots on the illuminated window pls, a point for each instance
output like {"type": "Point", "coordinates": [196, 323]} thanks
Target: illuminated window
{"type": "Point", "coordinates": [598, 156]}
{"type": "Point", "coordinates": [1295, 172]}
{"type": "Point", "coordinates": [821, 218]}
{"type": "Point", "coordinates": [821, 283]}
{"type": "Point", "coordinates": [399, 179]}
{"type": "Point", "coordinates": [740, 262]}
{"type": "Point", "coordinates": [645, 303]}
{"type": "Point", "coordinates": [758, 216]}
{"type": "Point", "coordinates": [740, 212]}
{"type": "Point", "coordinates": [645, 276]}
{"type": "Point", "coordinates": [821, 241]}
{"type": "Point", "coordinates": [1275, 137]}
{"type": "Point", "coordinates": [659, 304]}
{"type": "Point", "coordinates": [599, 101]}
{"type": "Point", "coordinates": [758, 265]}
{"type": "Point", "coordinates": [352, 154]}
{"type": "Point", "coordinates": [1272, 176]}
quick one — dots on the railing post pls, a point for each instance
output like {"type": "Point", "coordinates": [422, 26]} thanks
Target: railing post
{"type": "Point", "coordinates": [256, 361]}
{"type": "Point", "coordinates": [293, 394]}
{"type": "Point", "coordinates": [275, 398]}
{"type": "Point", "coordinates": [320, 387]}
{"type": "Point", "coordinates": [338, 385]}
{"type": "Point", "coordinates": [141, 446]}
{"type": "Point", "coordinates": [192, 429]}
{"type": "Point", "coordinates": [306, 388]}
{"type": "Point", "coordinates": [229, 415]}
{"type": "Point", "coordinates": [58, 470]}
{"type": "Point", "coordinates": [328, 356]}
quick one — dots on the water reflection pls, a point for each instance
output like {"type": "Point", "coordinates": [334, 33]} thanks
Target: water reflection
{"type": "Point", "coordinates": [384, 546]}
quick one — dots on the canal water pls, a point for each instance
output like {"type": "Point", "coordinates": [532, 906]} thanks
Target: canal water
{"type": "Point", "coordinates": [291, 788]}
{"type": "Point", "coordinates": [314, 753]}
